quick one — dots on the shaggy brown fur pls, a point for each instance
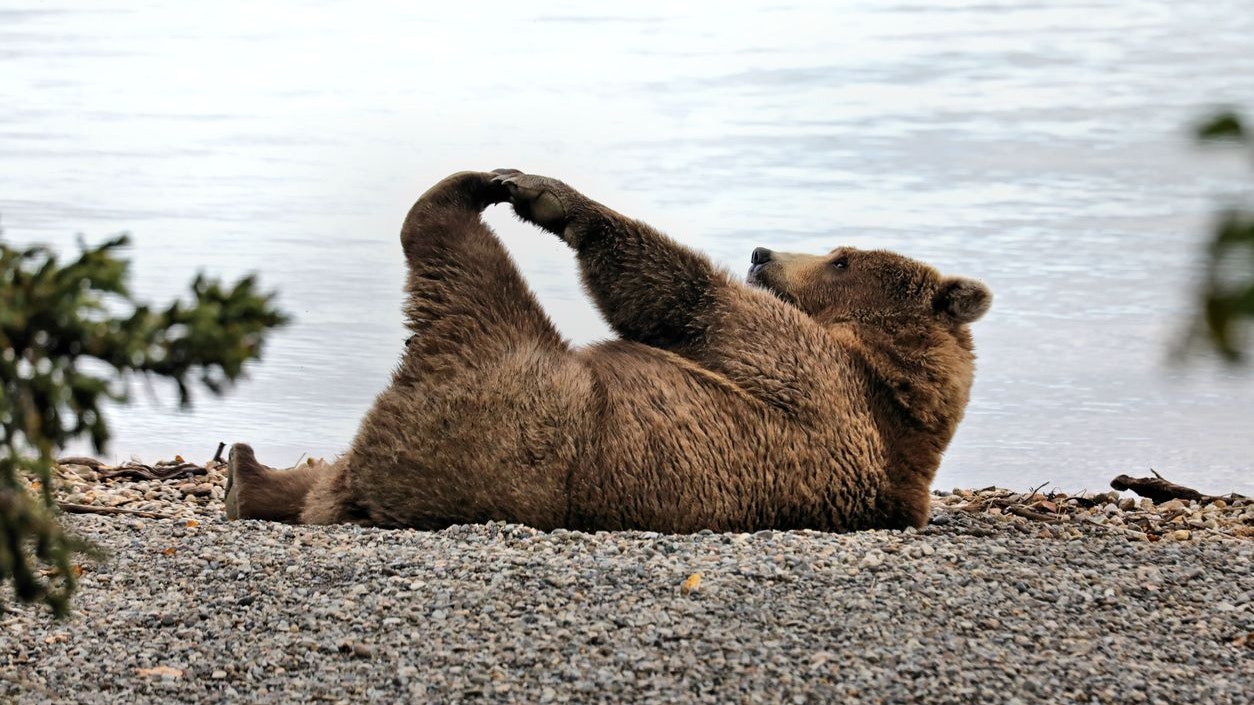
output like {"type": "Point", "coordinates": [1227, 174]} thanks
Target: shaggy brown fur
{"type": "Point", "coordinates": [822, 397]}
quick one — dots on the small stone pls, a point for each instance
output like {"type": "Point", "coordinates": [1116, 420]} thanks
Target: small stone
{"type": "Point", "coordinates": [873, 559]}
{"type": "Point", "coordinates": [1180, 535]}
{"type": "Point", "coordinates": [193, 490]}
{"type": "Point", "coordinates": [356, 650]}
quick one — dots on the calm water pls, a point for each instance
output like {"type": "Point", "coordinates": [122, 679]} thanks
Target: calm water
{"type": "Point", "coordinates": [1042, 147]}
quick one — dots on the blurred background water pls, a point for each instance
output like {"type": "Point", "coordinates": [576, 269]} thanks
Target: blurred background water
{"type": "Point", "coordinates": [1041, 146]}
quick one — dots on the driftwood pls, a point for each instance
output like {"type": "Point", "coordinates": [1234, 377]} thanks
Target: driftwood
{"type": "Point", "coordinates": [80, 460]}
{"type": "Point", "coordinates": [160, 471]}
{"type": "Point", "coordinates": [1157, 489]}
{"type": "Point", "coordinates": [72, 508]}
{"type": "Point", "coordinates": [1012, 505]}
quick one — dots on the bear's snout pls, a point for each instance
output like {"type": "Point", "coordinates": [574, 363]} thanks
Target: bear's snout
{"type": "Point", "coordinates": [757, 261]}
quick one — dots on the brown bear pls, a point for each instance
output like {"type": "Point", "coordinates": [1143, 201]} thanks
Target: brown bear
{"type": "Point", "coordinates": [820, 395]}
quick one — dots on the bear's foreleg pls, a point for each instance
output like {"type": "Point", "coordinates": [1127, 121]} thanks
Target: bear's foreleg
{"type": "Point", "coordinates": [650, 288]}
{"type": "Point", "coordinates": [655, 291]}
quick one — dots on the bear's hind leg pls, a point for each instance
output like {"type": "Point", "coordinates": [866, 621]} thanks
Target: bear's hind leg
{"type": "Point", "coordinates": [479, 420]}
{"type": "Point", "coordinates": [467, 301]}
{"type": "Point", "coordinates": [254, 491]}
{"type": "Point", "coordinates": [331, 499]}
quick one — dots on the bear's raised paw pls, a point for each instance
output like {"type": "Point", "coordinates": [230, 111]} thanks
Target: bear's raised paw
{"type": "Point", "coordinates": [538, 199]}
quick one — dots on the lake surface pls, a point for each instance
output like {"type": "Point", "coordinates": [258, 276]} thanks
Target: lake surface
{"type": "Point", "coordinates": [1040, 146]}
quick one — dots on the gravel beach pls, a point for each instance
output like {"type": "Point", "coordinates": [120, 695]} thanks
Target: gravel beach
{"type": "Point", "coordinates": [1099, 605]}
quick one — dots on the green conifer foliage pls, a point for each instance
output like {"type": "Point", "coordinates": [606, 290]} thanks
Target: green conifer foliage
{"type": "Point", "coordinates": [1227, 295]}
{"type": "Point", "coordinates": [73, 337]}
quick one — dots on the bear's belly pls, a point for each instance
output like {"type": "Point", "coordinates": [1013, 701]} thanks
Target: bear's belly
{"type": "Point", "coordinates": [494, 443]}
{"type": "Point", "coordinates": [681, 450]}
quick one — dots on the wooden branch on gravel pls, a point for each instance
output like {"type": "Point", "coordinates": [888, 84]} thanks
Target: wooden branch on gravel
{"type": "Point", "coordinates": [1159, 490]}
{"type": "Point", "coordinates": [1155, 488]}
{"type": "Point", "coordinates": [72, 508]}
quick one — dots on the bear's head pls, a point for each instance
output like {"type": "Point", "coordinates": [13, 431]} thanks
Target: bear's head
{"type": "Point", "coordinates": [869, 286]}
{"type": "Point", "coordinates": [904, 326]}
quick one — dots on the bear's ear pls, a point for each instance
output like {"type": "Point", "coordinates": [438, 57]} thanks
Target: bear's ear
{"type": "Point", "coordinates": [962, 299]}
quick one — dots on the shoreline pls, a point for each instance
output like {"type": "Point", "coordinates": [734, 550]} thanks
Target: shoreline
{"type": "Point", "coordinates": [182, 490]}
{"type": "Point", "coordinates": [979, 606]}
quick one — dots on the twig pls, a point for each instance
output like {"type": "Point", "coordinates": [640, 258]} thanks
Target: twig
{"type": "Point", "coordinates": [217, 457]}
{"type": "Point", "coordinates": [92, 509]}
{"type": "Point", "coordinates": [1029, 514]}
{"type": "Point", "coordinates": [1083, 501]}
{"type": "Point", "coordinates": [1033, 492]}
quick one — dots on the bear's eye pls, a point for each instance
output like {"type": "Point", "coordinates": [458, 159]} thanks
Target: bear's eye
{"type": "Point", "coordinates": [841, 263]}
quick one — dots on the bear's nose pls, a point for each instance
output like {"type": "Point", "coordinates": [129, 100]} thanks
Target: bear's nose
{"type": "Point", "coordinates": [760, 255]}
